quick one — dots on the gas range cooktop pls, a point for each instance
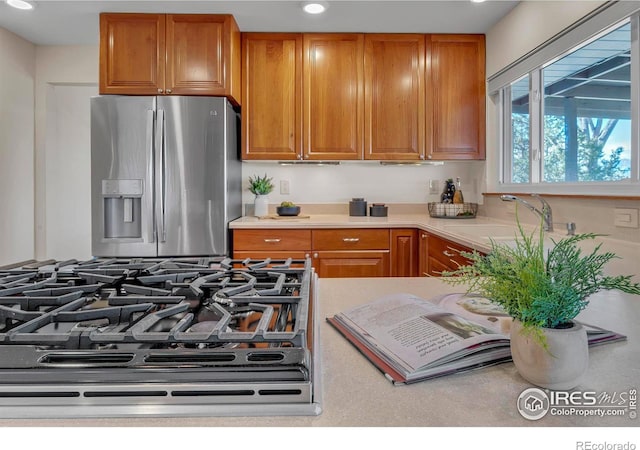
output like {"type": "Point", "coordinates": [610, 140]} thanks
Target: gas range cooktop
{"type": "Point", "coordinates": [143, 336]}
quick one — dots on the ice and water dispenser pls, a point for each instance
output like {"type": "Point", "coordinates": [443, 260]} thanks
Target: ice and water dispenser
{"type": "Point", "coordinates": [122, 203]}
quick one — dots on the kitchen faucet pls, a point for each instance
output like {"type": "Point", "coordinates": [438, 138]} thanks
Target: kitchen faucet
{"type": "Point", "coordinates": [545, 214]}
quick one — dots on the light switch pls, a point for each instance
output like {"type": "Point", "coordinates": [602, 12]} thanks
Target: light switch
{"type": "Point", "coordinates": [434, 186]}
{"type": "Point", "coordinates": [284, 187]}
{"type": "Point", "coordinates": [627, 218]}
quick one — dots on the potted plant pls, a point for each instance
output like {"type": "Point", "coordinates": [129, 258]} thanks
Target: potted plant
{"type": "Point", "coordinates": [543, 289]}
{"type": "Point", "coordinates": [261, 187]}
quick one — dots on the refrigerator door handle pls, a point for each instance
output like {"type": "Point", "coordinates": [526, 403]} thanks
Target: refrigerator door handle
{"type": "Point", "coordinates": [160, 176]}
{"type": "Point", "coordinates": [149, 189]}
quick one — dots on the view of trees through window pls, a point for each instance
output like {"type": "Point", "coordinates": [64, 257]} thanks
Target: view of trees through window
{"type": "Point", "coordinates": [586, 127]}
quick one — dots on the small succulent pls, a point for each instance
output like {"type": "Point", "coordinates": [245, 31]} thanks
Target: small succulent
{"type": "Point", "coordinates": [287, 204]}
{"type": "Point", "coordinates": [260, 185]}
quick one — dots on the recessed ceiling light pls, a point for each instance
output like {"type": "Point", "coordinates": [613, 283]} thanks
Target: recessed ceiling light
{"type": "Point", "coordinates": [19, 4]}
{"type": "Point", "coordinates": [315, 7]}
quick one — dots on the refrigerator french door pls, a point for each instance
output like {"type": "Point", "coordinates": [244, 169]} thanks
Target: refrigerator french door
{"type": "Point", "coordinates": [165, 175]}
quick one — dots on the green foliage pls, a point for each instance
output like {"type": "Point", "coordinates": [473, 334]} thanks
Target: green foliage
{"type": "Point", "coordinates": [260, 185]}
{"type": "Point", "coordinates": [540, 287]}
{"type": "Point", "coordinates": [594, 161]}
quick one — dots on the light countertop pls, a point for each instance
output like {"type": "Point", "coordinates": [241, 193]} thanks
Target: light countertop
{"type": "Point", "coordinates": [355, 393]}
{"type": "Point", "coordinates": [474, 233]}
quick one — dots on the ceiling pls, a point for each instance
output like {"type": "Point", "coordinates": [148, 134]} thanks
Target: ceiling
{"type": "Point", "coordinates": [54, 22]}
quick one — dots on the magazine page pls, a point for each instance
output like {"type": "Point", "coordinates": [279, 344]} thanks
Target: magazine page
{"type": "Point", "coordinates": [415, 331]}
{"type": "Point", "coordinates": [476, 309]}
{"type": "Point", "coordinates": [481, 310]}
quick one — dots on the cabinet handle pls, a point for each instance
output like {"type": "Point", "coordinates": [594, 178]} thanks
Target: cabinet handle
{"type": "Point", "coordinates": [315, 255]}
{"type": "Point", "coordinates": [168, 91]}
{"type": "Point", "coordinates": [272, 241]}
{"type": "Point", "coordinates": [306, 255]}
{"type": "Point", "coordinates": [159, 91]}
{"type": "Point", "coordinates": [350, 239]}
{"type": "Point", "coordinates": [421, 156]}
{"type": "Point", "coordinates": [423, 236]}
{"type": "Point", "coordinates": [429, 156]}
{"type": "Point", "coordinates": [449, 254]}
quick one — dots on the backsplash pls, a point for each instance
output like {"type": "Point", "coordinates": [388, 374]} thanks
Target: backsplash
{"type": "Point", "coordinates": [589, 215]}
{"type": "Point", "coordinates": [311, 184]}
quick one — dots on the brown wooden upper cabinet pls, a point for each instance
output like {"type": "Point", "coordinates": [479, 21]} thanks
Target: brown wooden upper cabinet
{"type": "Point", "coordinates": [174, 54]}
{"type": "Point", "coordinates": [333, 96]}
{"type": "Point", "coordinates": [363, 96]}
{"type": "Point", "coordinates": [455, 100]}
{"type": "Point", "coordinates": [272, 96]}
{"type": "Point", "coordinates": [394, 96]}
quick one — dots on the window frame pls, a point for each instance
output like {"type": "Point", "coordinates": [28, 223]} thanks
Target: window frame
{"type": "Point", "coordinates": [604, 20]}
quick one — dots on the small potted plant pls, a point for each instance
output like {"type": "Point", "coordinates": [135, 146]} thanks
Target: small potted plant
{"type": "Point", "coordinates": [261, 187]}
{"type": "Point", "coordinates": [543, 290]}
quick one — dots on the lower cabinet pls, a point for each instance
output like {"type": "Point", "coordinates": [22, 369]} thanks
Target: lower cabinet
{"type": "Point", "coordinates": [355, 252]}
{"type": "Point", "coordinates": [351, 252]}
{"type": "Point", "coordinates": [423, 253]}
{"type": "Point", "coordinates": [276, 244]}
{"type": "Point", "coordinates": [335, 253]}
{"type": "Point", "coordinates": [444, 255]}
{"type": "Point", "coordinates": [404, 252]}
{"type": "Point", "coordinates": [351, 264]}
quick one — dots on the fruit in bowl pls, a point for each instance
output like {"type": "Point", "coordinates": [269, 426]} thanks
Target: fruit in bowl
{"type": "Point", "coordinates": [288, 209]}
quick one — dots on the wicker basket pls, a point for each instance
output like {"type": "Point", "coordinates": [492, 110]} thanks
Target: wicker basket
{"type": "Point", "coordinates": [453, 210]}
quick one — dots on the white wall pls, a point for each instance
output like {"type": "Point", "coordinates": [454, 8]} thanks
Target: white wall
{"type": "Point", "coordinates": [376, 183]}
{"type": "Point", "coordinates": [17, 73]}
{"type": "Point", "coordinates": [58, 67]}
{"type": "Point", "coordinates": [527, 26]}
{"type": "Point", "coordinates": [67, 171]}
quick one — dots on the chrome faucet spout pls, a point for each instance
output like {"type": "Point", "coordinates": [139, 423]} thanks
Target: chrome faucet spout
{"type": "Point", "coordinates": [545, 214]}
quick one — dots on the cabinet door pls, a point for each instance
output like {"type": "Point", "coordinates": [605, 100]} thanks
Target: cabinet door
{"type": "Point", "coordinates": [132, 53]}
{"type": "Point", "coordinates": [271, 240]}
{"type": "Point", "coordinates": [200, 55]}
{"type": "Point", "coordinates": [423, 254]}
{"type": "Point", "coordinates": [445, 255]}
{"type": "Point", "coordinates": [456, 97]}
{"type": "Point", "coordinates": [333, 96]}
{"type": "Point", "coordinates": [272, 96]}
{"type": "Point", "coordinates": [404, 252]}
{"type": "Point", "coordinates": [350, 264]}
{"type": "Point", "coordinates": [394, 96]}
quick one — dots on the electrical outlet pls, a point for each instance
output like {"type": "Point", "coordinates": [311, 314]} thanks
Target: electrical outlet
{"type": "Point", "coordinates": [434, 187]}
{"type": "Point", "coordinates": [284, 187]}
{"type": "Point", "coordinates": [627, 218]}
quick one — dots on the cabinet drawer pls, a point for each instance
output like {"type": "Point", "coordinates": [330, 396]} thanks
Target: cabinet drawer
{"type": "Point", "coordinates": [447, 252]}
{"type": "Point", "coordinates": [351, 239]}
{"type": "Point", "coordinates": [276, 240]}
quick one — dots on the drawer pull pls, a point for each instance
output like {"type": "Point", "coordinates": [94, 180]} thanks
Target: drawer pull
{"type": "Point", "coordinates": [272, 241]}
{"type": "Point", "coordinates": [449, 254]}
{"type": "Point", "coordinates": [350, 239]}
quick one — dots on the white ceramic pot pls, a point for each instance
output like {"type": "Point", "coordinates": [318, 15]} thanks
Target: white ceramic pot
{"type": "Point", "coordinates": [261, 205]}
{"type": "Point", "coordinates": [561, 366]}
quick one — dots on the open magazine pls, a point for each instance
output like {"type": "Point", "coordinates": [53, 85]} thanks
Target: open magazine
{"type": "Point", "coordinates": [411, 339]}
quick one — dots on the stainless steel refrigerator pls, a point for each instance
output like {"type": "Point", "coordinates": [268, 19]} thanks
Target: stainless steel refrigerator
{"type": "Point", "coordinates": [165, 175]}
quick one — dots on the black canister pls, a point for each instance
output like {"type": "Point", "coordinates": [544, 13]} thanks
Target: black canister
{"type": "Point", "coordinates": [357, 207]}
{"type": "Point", "coordinates": [378, 210]}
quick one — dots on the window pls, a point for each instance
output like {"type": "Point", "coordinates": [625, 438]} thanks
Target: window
{"type": "Point", "coordinates": [569, 121]}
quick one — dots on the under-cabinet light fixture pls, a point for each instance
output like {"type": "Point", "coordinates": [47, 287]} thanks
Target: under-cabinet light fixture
{"type": "Point", "coordinates": [477, 1]}
{"type": "Point", "coordinates": [315, 7]}
{"type": "Point", "coordinates": [19, 4]}
{"type": "Point", "coordinates": [412, 163]}
{"type": "Point", "coordinates": [309, 163]}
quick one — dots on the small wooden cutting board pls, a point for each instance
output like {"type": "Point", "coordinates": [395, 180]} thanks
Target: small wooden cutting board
{"type": "Point", "coordinates": [277, 217]}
